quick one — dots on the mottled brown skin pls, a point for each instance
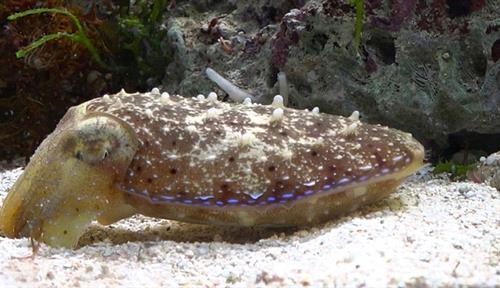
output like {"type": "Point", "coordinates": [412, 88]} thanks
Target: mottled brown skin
{"type": "Point", "coordinates": [202, 161]}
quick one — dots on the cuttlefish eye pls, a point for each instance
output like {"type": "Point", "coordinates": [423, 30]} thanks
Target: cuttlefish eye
{"type": "Point", "coordinates": [91, 156]}
{"type": "Point", "coordinates": [91, 146]}
{"type": "Point", "coordinates": [92, 152]}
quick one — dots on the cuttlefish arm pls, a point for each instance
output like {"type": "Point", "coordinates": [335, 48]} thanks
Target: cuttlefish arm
{"type": "Point", "coordinates": [70, 180]}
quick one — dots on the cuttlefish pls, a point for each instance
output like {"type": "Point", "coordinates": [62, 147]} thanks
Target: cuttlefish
{"type": "Point", "coordinates": [202, 160]}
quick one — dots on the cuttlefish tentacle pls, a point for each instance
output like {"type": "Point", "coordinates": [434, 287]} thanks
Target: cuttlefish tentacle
{"type": "Point", "coordinates": [203, 161]}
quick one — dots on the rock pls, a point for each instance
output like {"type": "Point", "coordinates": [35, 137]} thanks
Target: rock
{"type": "Point", "coordinates": [488, 171]}
{"type": "Point", "coordinates": [430, 70]}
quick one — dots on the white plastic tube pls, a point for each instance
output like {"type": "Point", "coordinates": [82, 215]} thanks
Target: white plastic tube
{"type": "Point", "coordinates": [235, 93]}
{"type": "Point", "coordinates": [283, 86]}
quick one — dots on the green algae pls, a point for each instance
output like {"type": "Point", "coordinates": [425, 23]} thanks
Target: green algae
{"type": "Point", "coordinates": [79, 36]}
{"type": "Point", "coordinates": [358, 24]}
{"type": "Point", "coordinates": [456, 171]}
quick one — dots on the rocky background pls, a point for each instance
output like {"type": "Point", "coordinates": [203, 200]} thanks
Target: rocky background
{"type": "Point", "coordinates": [429, 67]}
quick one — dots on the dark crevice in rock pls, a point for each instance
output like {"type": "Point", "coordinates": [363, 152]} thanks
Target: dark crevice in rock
{"type": "Point", "coordinates": [383, 44]}
{"type": "Point", "coordinates": [495, 51]}
{"type": "Point", "coordinates": [458, 8]}
{"type": "Point", "coordinates": [475, 144]}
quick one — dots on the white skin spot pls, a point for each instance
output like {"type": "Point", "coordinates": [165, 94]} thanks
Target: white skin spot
{"type": "Point", "coordinates": [247, 139]}
{"type": "Point", "coordinates": [165, 98]}
{"type": "Point", "coordinates": [351, 129]}
{"type": "Point", "coordinates": [212, 96]}
{"type": "Point", "coordinates": [106, 98]}
{"type": "Point", "coordinates": [277, 115]}
{"type": "Point", "coordinates": [118, 103]}
{"type": "Point", "coordinates": [354, 116]}
{"type": "Point", "coordinates": [397, 158]}
{"type": "Point", "coordinates": [148, 113]}
{"type": "Point", "coordinates": [319, 142]}
{"type": "Point", "coordinates": [212, 112]}
{"type": "Point", "coordinates": [278, 102]}
{"type": "Point", "coordinates": [191, 128]}
{"type": "Point", "coordinates": [286, 154]}
{"type": "Point", "coordinates": [247, 101]}
{"type": "Point", "coordinates": [211, 157]}
{"type": "Point", "coordinates": [367, 167]}
{"type": "Point", "coordinates": [155, 91]}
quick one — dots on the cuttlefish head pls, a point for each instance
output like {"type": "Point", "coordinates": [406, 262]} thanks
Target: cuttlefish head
{"type": "Point", "coordinates": [70, 180]}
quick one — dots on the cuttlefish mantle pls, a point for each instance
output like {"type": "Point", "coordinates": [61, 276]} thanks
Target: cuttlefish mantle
{"type": "Point", "coordinates": [205, 161]}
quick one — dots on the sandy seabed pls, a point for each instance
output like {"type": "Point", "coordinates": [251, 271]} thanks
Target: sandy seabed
{"type": "Point", "coordinates": [430, 232]}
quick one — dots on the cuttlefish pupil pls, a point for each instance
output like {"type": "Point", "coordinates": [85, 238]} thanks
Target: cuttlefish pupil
{"type": "Point", "coordinates": [200, 160]}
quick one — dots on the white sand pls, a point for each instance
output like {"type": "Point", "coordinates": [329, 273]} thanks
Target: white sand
{"type": "Point", "coordinates": [430, 232]}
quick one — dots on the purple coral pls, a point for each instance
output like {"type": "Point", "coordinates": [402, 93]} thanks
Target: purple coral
{"type": "Point", "coordinates": [401, 10]}
{"type": "Point", "coordinates": [288, 35]}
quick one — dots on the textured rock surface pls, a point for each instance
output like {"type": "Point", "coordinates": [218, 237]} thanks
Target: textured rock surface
{"type": "Point", "coordinates": [428, 67]}
{"type": "Point", "coordinates": [431, 232]}
{"type": "Point", "coordinates": [488, 171]}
